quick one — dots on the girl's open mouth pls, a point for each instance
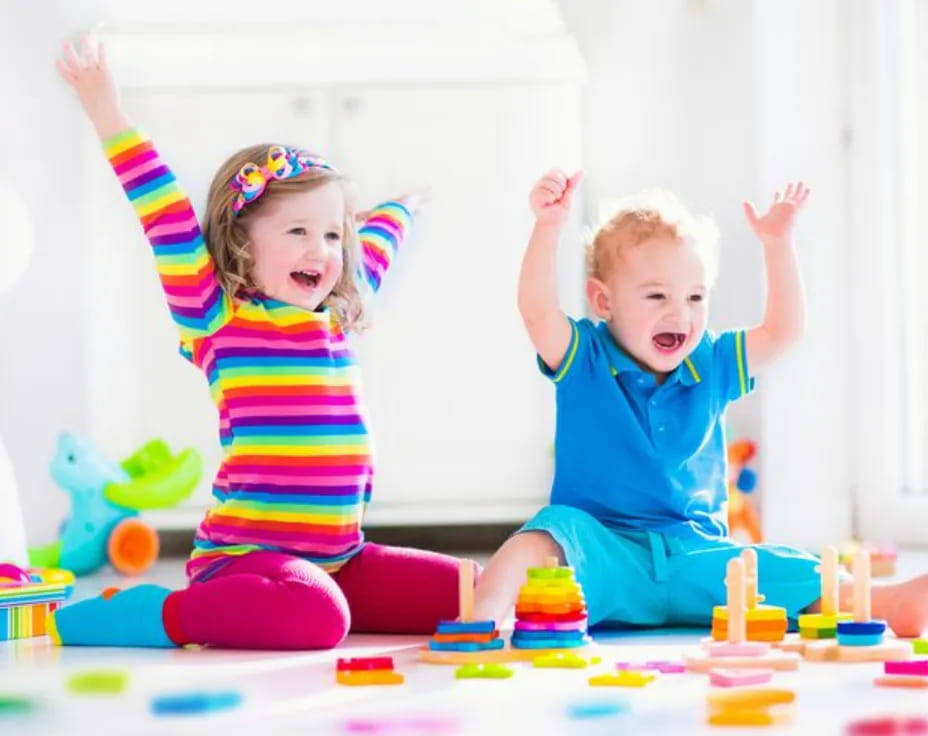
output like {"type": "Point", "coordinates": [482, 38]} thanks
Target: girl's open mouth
{"type": "Point", "coordinates": [306, 279]}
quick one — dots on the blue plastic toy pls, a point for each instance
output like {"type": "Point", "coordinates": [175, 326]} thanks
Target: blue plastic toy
{"type": "Point", "coordinates": [195, 702]}
{"type": "Point", "coordinates": [106, 498]}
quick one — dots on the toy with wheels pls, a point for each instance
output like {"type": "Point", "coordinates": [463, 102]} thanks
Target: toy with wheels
{"type": "Point", "coordinates": [106, 498]}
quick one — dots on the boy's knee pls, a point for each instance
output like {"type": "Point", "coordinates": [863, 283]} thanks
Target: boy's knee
{"type": "Point", "coordinates": [540, 545]}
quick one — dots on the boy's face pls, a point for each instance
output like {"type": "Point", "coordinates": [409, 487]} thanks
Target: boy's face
{"type": "Point", "coordinates": [656, 301]}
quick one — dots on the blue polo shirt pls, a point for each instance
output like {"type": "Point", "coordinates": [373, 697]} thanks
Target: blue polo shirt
{"type": "Point", "coordinates": [642, 456]}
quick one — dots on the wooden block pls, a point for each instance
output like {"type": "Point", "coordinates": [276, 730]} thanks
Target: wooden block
{"type": "Point", "coordinates": [466, 646]}
{"type": "Point", "coordinates": [727, 649]}
{"type": "Point", "coordinates": [911, 681]}
{"type": "Point", "coordinates": [859, 640]}
{"type": "Point", "coordinates": [368, 677]}
{"type": "Point", "coordinates": [821, 621]}
{"type": "Point", "coordinates": [825, 650]}
{"type": "Point", "coordinates": [483, 672]}
{"type": "Point", "coordinates": [759, 613]}
{"type": "Point", "coordinates": [746, 718]}
{"type": "Point", "coordinates": [567, 660]}
{"type": "Point", "coordinates": [662, 666]}
{"type": "Point", "coordinates": [887, 725]}
{"type": "Point", "coordinates": [734, 678]}
{"type": "Point", "coordinates": [792, 643]}
{"type": "Point", "coordinates": [477, 638]}
{"type": "Point", "coordinates": [364, 663]}
{"type": "Point", "coordinates": [774, 660]}
{"type": "Point", "coordinates": [501, 656]}
{"type": "Point", "coordinates": [757, 697]}
{"type": "Point", "coordinates": [906, 667]}
{"type": "Point", "coordinates": [861, 628]}
{"type": "Point", "coordinates": [886, 650]}
{"type": "Point", "coordinates": [465, 627]}
{"type": "Point", "coordinates": [623, 678]}
{"type": "Point", "coordinates": [830, 651]}
{"type": "Point", "coordinates": [815, 634]}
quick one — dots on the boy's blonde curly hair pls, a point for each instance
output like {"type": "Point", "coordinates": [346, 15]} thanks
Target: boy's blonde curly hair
{"type": "Point", "coordinates": [226, 234]}
{"type": "Point", "coordinates": [651, 214]}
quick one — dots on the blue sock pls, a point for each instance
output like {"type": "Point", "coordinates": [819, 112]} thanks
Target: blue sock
{"type": "Point", "coordinates": [131, 618]}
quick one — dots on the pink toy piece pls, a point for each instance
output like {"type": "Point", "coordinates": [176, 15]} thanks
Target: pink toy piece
{"type": "Point", "coordinates": [668, 668]}
{"type": "Point", "coordinates": [733, 678]}
{"type": "Point", "coordinates": [909, 725]}
{"type": "Point", "coordinates": [401, 725]}
{"type": "Point", "coordinates": [730, 649]}
{"type": "Point", "coordinates": [661, 665]}
{"type": "Point", "coordinates": [913, 667]}
{"type": "Point", "coordinates": [550, 625]}
{"type": "Point", "coordinates": [13, 574]}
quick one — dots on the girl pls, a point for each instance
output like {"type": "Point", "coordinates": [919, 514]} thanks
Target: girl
{"type": "Point", "coordinates": [263, 298]}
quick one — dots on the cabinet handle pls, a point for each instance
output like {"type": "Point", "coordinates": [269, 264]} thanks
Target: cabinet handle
{"type": "Point", "coordinates": [351, 104]}
{"type": "Point", "coordinates": [302, 106]}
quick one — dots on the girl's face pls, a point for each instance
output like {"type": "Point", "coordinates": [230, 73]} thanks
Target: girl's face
{"type": "Point", "coordinates": [296, 244]}
{"type": "Point", "coordinates": [656, 302]}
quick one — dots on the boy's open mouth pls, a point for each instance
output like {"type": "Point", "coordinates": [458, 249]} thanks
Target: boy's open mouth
{"type": "Point", "coordinates": [308, 279]}
{"type": "Point", "coordinates": [668, 342]}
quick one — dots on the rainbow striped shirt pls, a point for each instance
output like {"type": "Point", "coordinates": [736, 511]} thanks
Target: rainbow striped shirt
{"type": "Point", "coordinates": [297, 467]}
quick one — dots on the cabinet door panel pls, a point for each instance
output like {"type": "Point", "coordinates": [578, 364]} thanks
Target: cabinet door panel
{"type": "Point", "coordinates": [460, 411]}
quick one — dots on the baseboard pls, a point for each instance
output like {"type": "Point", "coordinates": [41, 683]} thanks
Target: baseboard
{"type": "Point", "coordinates": [458, 538]}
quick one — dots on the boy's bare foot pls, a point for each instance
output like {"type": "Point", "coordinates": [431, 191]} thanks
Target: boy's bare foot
{"type": "Point", "coordinates": [904, 606]}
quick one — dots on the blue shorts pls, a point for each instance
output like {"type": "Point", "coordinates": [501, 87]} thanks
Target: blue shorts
{"type": "Point", "coordinates": [647, 578]}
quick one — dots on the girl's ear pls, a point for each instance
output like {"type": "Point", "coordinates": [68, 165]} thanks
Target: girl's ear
{"type": "Point", "coordinates": [598, 296]}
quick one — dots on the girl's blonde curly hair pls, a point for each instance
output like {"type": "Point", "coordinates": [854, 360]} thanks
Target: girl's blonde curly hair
{"type": "Point", "coordinates": [226, 233]}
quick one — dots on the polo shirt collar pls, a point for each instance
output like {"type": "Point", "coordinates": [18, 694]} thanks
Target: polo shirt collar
{"type": "Point", "coordinates": [689, 372]}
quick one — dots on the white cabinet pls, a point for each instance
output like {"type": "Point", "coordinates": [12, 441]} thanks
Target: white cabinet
{"type": "Point", "coordinates": [460, 415]}
{"type": "Point", "coordinates": [463, 423]}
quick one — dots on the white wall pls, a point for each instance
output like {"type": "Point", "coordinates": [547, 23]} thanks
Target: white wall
{"type": "Point", "coordinates": [41, 337]}
{"type": "Point", "coordinates": [723, 100]}
{"type": "Point", "coordinates": [669, 105]}
{"type": "Point", "coordinates": [802, 116]}
{"type": "Point", "coordinates": [716, 99]}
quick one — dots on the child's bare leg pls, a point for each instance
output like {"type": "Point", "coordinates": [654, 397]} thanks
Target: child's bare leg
{"type": "Point", "coordinates": [904, 606]}
{"type": "Point", "coordinates": [498, 586]}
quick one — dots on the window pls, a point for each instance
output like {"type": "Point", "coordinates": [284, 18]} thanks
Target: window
{"type": "Point", "coordinates": [888, 81]}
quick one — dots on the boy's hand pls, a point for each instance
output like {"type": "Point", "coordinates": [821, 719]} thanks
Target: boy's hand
{"type": "Point", "coordinates": [777, 224]}
{"type": "Point", "coordinates": [551, 197]}
{"type": "Point", "coordinates": [87, 73]}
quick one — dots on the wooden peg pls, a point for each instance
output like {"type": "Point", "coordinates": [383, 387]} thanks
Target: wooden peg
{"type": "Point", "coordinates": [466, 589]}
{"type": "Point", "coordinates": [829, 571]}
{"type": "Point", "coordinates": [735, 583]}
{"type": "Point", "coordinates": [749, 555]}
{"type": "Point", "coordinates": [862, 586]}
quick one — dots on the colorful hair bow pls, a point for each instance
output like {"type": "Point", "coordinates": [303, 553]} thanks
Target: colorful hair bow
{"type": "Point", "coordinates": [282, 163]}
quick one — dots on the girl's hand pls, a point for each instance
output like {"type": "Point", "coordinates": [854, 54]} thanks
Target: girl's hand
{"type": "Point", "coordinates": [87, 73]}
{"type": "Point", "coordinates": [551, 197]}
{"type": "Point", "coordinates": [413, 201]}
{"type": "Point", "coordinates": [777, 224]}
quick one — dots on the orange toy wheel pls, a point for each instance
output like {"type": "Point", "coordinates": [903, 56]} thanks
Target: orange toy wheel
{"type": "Point", "coordinates": [132, 546]}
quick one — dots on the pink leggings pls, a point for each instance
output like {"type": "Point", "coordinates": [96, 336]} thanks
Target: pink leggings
{"type": "Point", "coordinates": [268, 600]}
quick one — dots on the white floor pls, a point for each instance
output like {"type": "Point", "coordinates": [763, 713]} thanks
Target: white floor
{"type": "Point", "coordinates": [297, 693]}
